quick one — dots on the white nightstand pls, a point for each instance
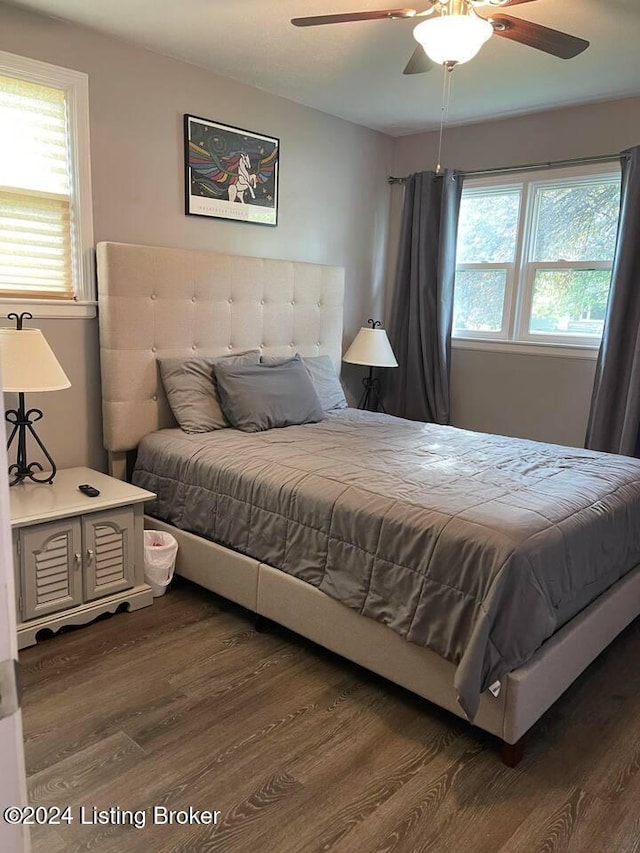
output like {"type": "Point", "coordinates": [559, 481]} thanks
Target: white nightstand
{"type": "Point", "coordinates": [76, 557]}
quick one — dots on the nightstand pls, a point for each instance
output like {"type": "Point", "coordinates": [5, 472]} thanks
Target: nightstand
{"type": "Point", "coordinates": [76, 557]}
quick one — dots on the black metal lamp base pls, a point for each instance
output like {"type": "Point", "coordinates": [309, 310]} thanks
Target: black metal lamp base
{"type": "Point", "coordinates": [22, 422]}
{"type": "Point", "coordinates": [371, 393]}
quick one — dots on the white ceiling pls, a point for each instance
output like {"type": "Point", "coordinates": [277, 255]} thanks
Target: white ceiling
{"type": "Point", "coordinates": [354, 70]}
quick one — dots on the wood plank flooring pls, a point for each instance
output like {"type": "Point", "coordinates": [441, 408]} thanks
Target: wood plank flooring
{"type": "Point", "coordinates": [185, 704]}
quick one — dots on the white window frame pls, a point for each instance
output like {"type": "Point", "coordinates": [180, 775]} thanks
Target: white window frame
{"type": "Point", "coordinates": [76, 87]}
{"type": "Point", "coordinates": [514, 336]}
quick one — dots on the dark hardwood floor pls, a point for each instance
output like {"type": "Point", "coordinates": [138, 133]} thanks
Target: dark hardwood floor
{"type": "Point", "coordinates": [185, 704]}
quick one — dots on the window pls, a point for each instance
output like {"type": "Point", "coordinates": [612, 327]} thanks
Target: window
{"type": "Point", "coordinates": [534, 257]}
{"type": "Point", "coordinates": [45, 198]}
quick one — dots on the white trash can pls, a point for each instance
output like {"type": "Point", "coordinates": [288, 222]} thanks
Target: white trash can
{"type": "Point", "coordinates": [160, 551]}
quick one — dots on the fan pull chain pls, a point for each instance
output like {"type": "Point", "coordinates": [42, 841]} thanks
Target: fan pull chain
{"type": "Point", "coordinates": [446, 100]}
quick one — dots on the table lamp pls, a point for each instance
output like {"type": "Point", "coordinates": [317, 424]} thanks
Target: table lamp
{"type": "Point", "coordinates": [28, 364]}
{"type": "Point", "coordinates": [371, 348]}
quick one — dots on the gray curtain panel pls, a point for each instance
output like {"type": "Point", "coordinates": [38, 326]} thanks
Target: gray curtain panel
{"type": "Point", "coordinates": [420, 328]}
{"type": "Point", "coordinates": [614, 419]}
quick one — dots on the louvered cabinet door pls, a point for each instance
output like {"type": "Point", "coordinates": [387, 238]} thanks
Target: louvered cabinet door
{"type": "Point", "coordinates": [108, 552]}
{"type": "Point", "coordinates": [51, 563]}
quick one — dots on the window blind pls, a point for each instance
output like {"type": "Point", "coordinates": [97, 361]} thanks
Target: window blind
{"type": "Point", "coordinates": [35, 204]}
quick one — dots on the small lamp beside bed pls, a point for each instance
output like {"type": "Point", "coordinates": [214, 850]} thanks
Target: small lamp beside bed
{"type": "Point", "coordinates": [28, 364]}
{"type": "Point", "coordinates": [371, 348]}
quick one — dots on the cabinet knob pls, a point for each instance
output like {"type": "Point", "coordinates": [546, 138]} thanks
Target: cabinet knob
{"type": "Point", "coordinates": [78, 558]}
{"type": "Point", "coordinates": [89, 554]}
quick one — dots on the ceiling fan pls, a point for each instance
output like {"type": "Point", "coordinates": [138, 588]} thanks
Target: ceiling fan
{"type": "Point", "coordinates": [453, 32]}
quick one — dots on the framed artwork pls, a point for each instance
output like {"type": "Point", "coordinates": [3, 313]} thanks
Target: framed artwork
{"type": "Point", "coordinates": [230, 173]}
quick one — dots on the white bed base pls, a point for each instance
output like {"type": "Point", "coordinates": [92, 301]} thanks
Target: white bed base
{"type": "Point", "coordinates": [155, 302]}
{"type": "Point", "coordinates": [525, 694]}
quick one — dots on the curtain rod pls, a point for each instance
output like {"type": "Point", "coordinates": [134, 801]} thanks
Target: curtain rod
{"type": "Point", "coordinates": [531, 167]}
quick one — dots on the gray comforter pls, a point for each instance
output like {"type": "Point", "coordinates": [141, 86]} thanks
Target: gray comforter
{"type": "Point", "coordinates": [476, 546]}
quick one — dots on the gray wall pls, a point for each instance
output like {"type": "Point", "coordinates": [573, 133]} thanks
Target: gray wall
{"type": "Point", "coordinates": [533, 396]}
{"type": "Point", "coordinates": [334, 208]}
{"type": "Point", "coordinates": [334, 200]}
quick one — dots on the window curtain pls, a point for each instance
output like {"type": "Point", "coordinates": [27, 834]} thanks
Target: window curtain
{"type": "Point", "coordinates": [614, 419]}
{"type": "Point", "coordinates": [422, 310]}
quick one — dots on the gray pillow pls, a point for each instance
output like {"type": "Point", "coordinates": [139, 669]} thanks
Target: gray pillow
{"type": "Point", "coordinates": [191, 389]}
{"type": "Point", "coordinates": [323, 376]}
{"type": "Point", "coordinates": [264, 396]}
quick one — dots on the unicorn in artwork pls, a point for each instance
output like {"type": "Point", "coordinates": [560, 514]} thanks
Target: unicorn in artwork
{"type": "Point", "coordinates": [230, 176]}
{"type": "Point", "coordinates": [244, 181]}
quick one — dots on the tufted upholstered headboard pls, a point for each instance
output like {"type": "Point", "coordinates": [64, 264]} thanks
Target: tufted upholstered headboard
{"type": "Point", "coordinates": [157, 302]}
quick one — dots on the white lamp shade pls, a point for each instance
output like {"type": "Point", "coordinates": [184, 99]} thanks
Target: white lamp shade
{"type": "Point", "coordinates": [453, 38]}
{"type": "Point", "coordinates": [371, 347]}
{"type": "Point", "coordinates": [28, 362]}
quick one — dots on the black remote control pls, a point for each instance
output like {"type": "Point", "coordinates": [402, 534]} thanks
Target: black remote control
{"type": "Point", "coordinates": [89, 491]}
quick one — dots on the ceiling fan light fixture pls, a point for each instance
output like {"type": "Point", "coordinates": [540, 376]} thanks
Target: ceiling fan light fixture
{"type": "Point", "coordinates": [453, 38]}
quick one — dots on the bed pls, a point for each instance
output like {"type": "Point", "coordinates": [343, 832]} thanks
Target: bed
{"type": "Point", "coordinates": [167, 302]}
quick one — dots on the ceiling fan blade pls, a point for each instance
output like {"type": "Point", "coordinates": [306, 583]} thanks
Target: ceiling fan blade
{"type": "Point", "coordinates": [419, 62]}
{"type": "Point", "coordinates": [550, 41]}
{"type": "Point", "coordinates": [380, 15]}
